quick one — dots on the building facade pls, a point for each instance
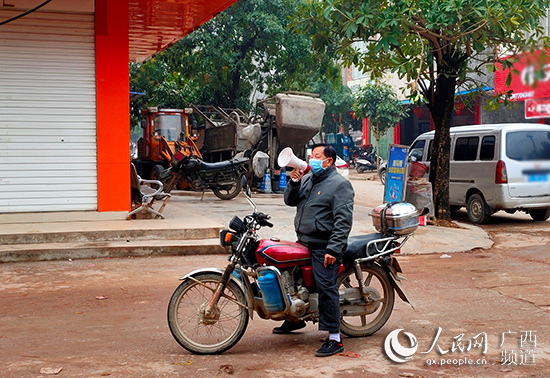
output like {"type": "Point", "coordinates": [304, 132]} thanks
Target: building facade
{"type": "Point", "coordinates": [64, 109]}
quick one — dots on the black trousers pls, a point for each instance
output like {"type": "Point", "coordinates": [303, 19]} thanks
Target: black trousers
{"type": "Point", "coordinates": [329, 303]}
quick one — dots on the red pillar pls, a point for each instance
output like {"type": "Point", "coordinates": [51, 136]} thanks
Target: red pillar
{"type": "Point", "coordinates": [365, 132]}
{"type": "Point", "coordinates": [113, 107]}
{"type": "Point", "coordinates": [397, 133]}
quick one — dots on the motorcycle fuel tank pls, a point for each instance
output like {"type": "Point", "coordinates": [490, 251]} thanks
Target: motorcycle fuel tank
{"type": "Point", "coordinates": [282, 254]}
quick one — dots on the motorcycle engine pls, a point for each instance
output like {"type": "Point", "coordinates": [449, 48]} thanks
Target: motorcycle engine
{"type": "Point", "coordinates": [300, 298]}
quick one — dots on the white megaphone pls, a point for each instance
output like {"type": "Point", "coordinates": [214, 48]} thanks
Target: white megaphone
{"type": "Point", "coordinates": [288, 159]}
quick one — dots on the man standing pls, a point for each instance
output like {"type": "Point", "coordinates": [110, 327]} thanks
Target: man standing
{"type": "Point", "coordinates": [324, 201]}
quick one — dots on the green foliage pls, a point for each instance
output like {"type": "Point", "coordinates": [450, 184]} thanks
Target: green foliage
{"type": "Point", "coordinates": [339, 103]}
{"type": "Point", "coordinates": [380, 105]}
{"type": "Point", "coordinates": [434, 45]}
{"type": "Point", "coordinates": [244, 50]}
{"type": "Point", "coordinates": [421, 39]}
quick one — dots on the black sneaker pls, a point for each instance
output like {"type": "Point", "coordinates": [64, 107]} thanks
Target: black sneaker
{"type": "Point", "coordinates": [287, 327]}
{"type": "Point", "coordinates": [329, 348]}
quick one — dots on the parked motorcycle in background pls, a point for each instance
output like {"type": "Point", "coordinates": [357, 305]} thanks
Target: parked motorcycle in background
{"type": "Point", "coordinates": [366, 160]}
{"type": "Point", "coordinates": [209, 311]}
{"type": "Point", "coordinates": [223, 178]}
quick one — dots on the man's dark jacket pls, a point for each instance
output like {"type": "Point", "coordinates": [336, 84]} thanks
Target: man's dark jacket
{"type": "Point", "coordinates": [324, 212]}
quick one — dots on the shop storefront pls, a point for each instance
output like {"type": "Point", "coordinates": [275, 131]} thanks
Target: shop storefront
{"type": "Point", "coordinates": [64, 111]}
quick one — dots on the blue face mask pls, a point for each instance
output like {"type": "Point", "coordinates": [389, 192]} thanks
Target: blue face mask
{"type": "Point", "coordinates": [316, 166]}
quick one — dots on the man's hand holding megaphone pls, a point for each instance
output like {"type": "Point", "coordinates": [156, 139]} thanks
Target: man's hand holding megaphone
{"type": "Point", "coordinates": [288, 159]}
{"type": "Point", "coordinates": [297, 174]}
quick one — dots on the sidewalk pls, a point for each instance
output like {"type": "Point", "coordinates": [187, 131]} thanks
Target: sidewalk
{"type": "Point", "coordinates": [191, 227]}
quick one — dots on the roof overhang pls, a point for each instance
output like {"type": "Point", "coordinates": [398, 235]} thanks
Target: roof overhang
{"type": "Point", "coordinates": [157, 24]}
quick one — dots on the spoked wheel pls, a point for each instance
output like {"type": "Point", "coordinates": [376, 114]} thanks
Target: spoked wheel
{"type": "Point", "coordinates": [230, 191]}
{"type": "Point", "coordinates": [203, 333]}
{"type": "Point", "coordinates": [362, 317]}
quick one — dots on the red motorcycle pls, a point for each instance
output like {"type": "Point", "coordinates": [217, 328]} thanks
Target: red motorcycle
{"type": "Point", "coordinates": [208, 313]}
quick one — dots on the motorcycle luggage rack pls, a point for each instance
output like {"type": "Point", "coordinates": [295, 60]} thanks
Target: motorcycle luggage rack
{"type": "Point", "coordinates": [383, 251]}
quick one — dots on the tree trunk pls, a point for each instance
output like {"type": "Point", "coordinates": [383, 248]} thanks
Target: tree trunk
{"type": "Point", "coordinates": [239, 64]}
{"type": "Point", "coordinates": [442, 109]}
{"type": "Point", "coordinates": [377, 153]}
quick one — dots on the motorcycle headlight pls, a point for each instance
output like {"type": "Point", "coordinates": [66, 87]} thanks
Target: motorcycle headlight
{"type": "Point", "coordinates": [237, 225]}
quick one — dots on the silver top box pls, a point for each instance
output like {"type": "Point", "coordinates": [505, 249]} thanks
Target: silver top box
{"type": "Point", "coordinates": [395, 218]}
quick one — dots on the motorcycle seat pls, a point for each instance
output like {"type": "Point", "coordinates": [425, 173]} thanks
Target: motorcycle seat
{"type": "Point", "coordinates": [212, 166]}
{"type": "Point", "coordinates": [357, 246]}
{"type": "Point", "coordinates": [222, 164]}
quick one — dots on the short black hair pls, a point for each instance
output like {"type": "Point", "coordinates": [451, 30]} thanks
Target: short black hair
{"type": "Point", "coordinates": [329, 151]}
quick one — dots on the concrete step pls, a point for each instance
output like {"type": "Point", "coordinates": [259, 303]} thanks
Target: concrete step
{"type": "Point", "coordinates": [102, 249]}
{"type": "Point", "coordinates": [123, 235]}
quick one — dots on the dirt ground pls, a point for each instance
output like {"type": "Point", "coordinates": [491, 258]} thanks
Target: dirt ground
{"type": "Point", "coordinates": [107, 317]}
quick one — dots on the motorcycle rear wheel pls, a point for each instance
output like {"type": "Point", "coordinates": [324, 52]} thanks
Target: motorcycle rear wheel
{"type": "Point", "coordinates": [198, 334]}
{"type": "Point", "coordinates": [376, 278]}
{"type": "Point", "coordinates": [228, 192]}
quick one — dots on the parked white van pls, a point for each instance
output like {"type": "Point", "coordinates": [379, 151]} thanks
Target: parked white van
{"type": "Point", "coordinates": [496, 167]}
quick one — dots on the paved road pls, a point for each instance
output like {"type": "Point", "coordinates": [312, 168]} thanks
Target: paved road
{"type": "Point", "coordinates": [107, 317]}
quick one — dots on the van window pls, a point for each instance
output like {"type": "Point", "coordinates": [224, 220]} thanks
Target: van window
{"type": "Point", "coordinates": [528, 145]}
{"type": "Point", "coordinates": [430, 150]}
{"type": "Point", "coordinates": [487, 151]}
{"type": "Point", "coordinates": [417, 149]}
{"type": "Point", "coordinates": [466, 148]}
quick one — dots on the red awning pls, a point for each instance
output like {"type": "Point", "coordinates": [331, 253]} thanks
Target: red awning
{"type": "Point", "coordinates": [157, 24]}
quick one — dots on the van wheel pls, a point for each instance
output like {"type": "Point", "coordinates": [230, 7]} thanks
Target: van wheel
{"type": "Point", "coordinates": [540, 214]}
{"type": "Point", "coordinates": [478, 210]}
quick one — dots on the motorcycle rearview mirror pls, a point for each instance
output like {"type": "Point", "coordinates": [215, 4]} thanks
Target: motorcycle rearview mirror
{"type": "Point", "coordinates": [247, 192]}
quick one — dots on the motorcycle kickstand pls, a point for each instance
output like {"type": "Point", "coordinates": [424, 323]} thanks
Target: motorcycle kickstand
{"type": "Point", "coordinates": [202, 194]}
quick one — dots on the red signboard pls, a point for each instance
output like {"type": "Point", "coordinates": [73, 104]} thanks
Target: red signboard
{"type": "Point", "coordinates": [537, 108]}
{"type": "Point", "coordinates": [521, 83]}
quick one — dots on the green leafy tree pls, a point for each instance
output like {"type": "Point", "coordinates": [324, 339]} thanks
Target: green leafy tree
{"type": "Point", "coordinates": [436, 45]}
{"type": "Point", "coordinates": [379, 104]}
{"type": "Point", "coordinates": [247, 48]}
{"type": "Point", "coordinates": [338, 100]}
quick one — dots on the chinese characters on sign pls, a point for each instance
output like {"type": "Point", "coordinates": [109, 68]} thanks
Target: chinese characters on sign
{"type": "Point", "coordinates": [539, 108]}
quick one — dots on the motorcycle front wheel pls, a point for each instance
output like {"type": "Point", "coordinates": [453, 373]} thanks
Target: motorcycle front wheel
{"type": "Point", "coordinates": [376, 309]}
{"type": "Point", "coordinates": [230, 191]}
{"type": "Point", "coordinates": [198, 332]}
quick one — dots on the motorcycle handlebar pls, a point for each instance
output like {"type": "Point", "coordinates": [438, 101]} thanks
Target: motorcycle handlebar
{"type": "Point", "coordinates": [263, 219]}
